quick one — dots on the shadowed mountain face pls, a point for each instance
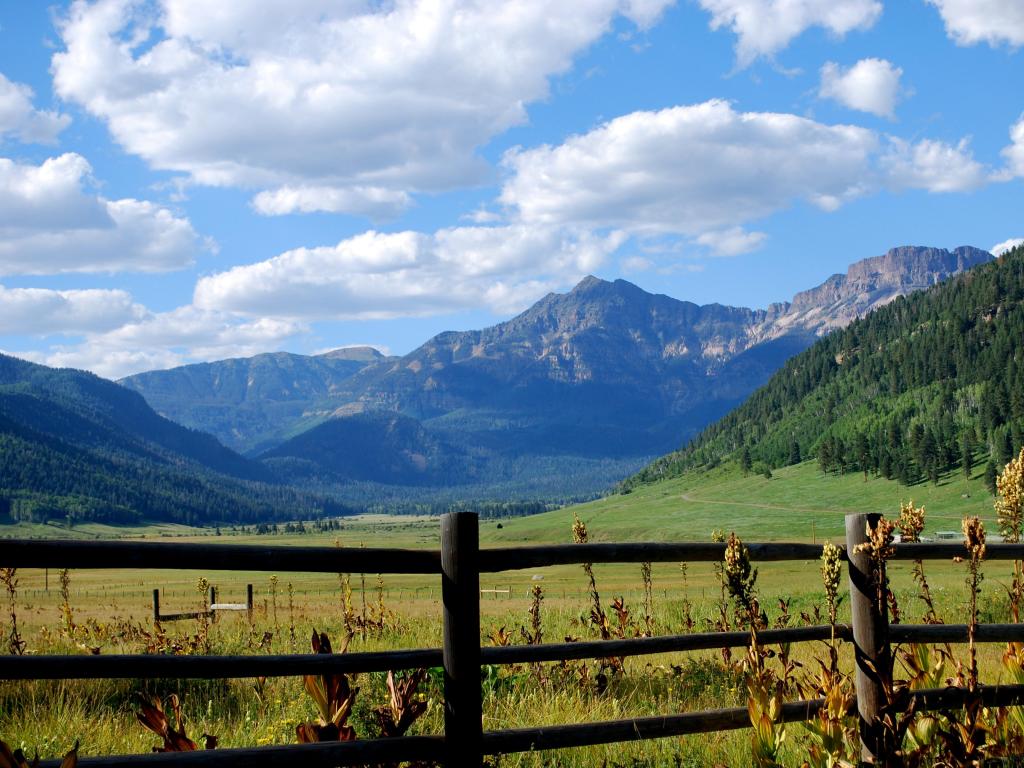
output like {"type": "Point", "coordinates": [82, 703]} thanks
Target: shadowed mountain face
{"type": "Point", "coordinates": [250, 403]}
{"type": "Point", "coordinates": [606, 372]}
{"type": "Point", "coordinates": [77, 447]}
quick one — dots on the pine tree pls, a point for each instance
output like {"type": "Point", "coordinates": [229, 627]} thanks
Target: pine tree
{"type": "Point", "coordinates": [745, 461]}
{"type": "Point", "coordinates": [863, 451]}
{"type": "Point", "coordinates": [967, 455]}
{"type": "Point", "coordinates": [990, 477]}
{"type": "Point", "coordinates": [794, 452]}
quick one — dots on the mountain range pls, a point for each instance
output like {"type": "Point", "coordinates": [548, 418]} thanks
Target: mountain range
{"type": "Point", "coordinates": [576, 392]}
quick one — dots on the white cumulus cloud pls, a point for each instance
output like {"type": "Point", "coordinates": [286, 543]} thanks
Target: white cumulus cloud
{"type": "Point", "coordinates": [42, 312]}
{"type": "Point", "coordinates": [870, 85]}
{"type": "Point", "coordinates": [323, 105]}
{"type": "Point", "coordinates": [156, 340]}
{"type": "Point", "coordinates": [376, 275]}
{"type": "Point", "coordinates": [373, 202]}
{"type": "Point", "coordinates": [1006, 245]}
{"type": "Point", "coordinates": [1014, 153]}
{"type": "Point", "coordinates": [50, 222]}
{"type": "Point", "coordinates": [732, 242]}
{"type": "Point", "coordinates": [934, 166]}
{"type": "Point", "coordinates": [765, 27]}
{"type": "Point", "coordinates": [995, 22]}
{"type": "Point", "coordinates": [703, 170]}
{"type": "Point", "coordinates": [21, 121]}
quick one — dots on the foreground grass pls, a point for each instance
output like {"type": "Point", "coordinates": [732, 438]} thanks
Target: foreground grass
{"type": "Point", "coordinates": [112, 609]}
{"type": "Point", "coordinates": [48, 716]}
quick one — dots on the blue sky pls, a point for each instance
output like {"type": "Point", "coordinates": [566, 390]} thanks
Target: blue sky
{"type": "Point", "coordinates": [181, 181]}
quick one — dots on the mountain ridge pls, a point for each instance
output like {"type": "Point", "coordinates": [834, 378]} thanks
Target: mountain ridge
{"type": "Point", "coordinates": [606, 371]}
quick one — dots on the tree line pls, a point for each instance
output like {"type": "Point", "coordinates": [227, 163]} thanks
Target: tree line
{"type": "Point", "coordinates": [931, 383]}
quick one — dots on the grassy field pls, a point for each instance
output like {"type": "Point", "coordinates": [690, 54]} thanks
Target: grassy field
{"type": "Point", "coordinates": [111, 606]}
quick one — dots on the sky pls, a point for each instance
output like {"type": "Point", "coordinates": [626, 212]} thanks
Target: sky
{"type": "Point", "coordinates": [183, 181]}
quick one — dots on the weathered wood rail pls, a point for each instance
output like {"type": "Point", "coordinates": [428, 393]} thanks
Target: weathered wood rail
{"type": "Point", "coordinates": [460, 563]}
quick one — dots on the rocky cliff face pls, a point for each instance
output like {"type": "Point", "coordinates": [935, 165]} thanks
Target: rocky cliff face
{"type": "Point", "coordinates": [867, 285]}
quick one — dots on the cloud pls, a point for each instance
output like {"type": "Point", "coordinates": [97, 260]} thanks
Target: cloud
{"type": "Point", "coordinates": [1006, 245]}
{"type": "Point", "coordinates": [705, 169]}
{"type": "Point", "coordinates": [21, 121]}
{"type": "Point", "coordinates": [373, 202]}
{"type": "Point", "coordinates": [42, 312]}
{"type": "Point", "coordinates": [870, 85]}
{"type": "Point", "coordinates": [255, 308]}
{"type": "Point", "coordinates": [632, 264]}
{"type": "Point", "coordinates": [166, 339]}
{"type": "Point", "coordinates": [970, 22]}
{"type": "Point", "coordinates": [1014, 153]}
{"type": "Point", "coordinates": [934, 166]}
{"type": "Point", "coordinates": [322, 105]}
{"type": "Point", "coordinates": [51, 223]}
{"type": "Point", "coordinates": [732, 242]}
{"type": "Point", "coordinates": [687, 170]}
{"type": "Point", "coordinates": [375, 275]}
{"type": "Point", "coordinates": [765, 27]}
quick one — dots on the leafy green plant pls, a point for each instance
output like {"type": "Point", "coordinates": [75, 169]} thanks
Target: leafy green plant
{"type": "Point", "coordinates": [9, 578]}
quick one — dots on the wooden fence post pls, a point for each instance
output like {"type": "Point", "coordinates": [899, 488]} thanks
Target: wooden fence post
{"type": "Point", "coordinates": [213, 599]}
{"type": "Point", "coordinates": [872, 652]}
{"type": "Point", "coordinates": [156, 606]}
{"type": "Point", "coordinates": [460, 594]}
{"type": "Point", "coordinates": [248, 602]}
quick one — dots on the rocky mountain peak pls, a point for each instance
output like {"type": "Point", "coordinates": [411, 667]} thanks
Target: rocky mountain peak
{"type": "Point", "coordinates": [873, 282]}
{"type": "Point", "coordinates": [362, 354]}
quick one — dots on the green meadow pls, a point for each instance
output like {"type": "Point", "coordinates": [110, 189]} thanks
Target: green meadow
{"type": "Point", "coordinates": [112, 614]}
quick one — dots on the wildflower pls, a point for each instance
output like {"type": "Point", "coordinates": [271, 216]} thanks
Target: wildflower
{"type": "Point", "coordinates": [831, 570]}
{"type": "Point", "coordinates": [910, 522]}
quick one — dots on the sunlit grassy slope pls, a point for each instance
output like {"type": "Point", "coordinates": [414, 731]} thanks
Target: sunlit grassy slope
{"type": "Point", "coordinates": [798, 503]}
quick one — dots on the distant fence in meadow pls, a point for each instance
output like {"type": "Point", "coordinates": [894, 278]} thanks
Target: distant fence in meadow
{"type": "Point", "coordinates": [460, 562]}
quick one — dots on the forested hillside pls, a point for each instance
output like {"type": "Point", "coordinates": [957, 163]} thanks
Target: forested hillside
{"type": "Point", "coordinates": [932, 381]}
{"type": "Point", "coordinates": [76, 447]}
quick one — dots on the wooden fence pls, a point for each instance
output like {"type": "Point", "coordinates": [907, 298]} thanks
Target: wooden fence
{"type": "Point", "coordinates": [460, 563]}
{"type": "Point", "coordinates": [212, 607]}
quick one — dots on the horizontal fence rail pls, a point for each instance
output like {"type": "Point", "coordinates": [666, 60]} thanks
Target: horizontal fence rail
{"type": "Point", "coordinates": [28, 553]}
{"type": "Point", "coordinates": [496, 559]}
{"type": "Point", "coordinates": [937, 551]}
{"type": "Point", "coordinates": [31, 553]}
{"type": "Point", "coordinates": [459, 563]}
{"type": "Point", "coordinates": [286, 665]}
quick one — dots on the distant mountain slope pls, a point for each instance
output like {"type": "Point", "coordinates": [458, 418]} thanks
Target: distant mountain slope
{"type": "Point", "coordinates": [928, 383]}
{"type": "Point", "coordinates": [75, 445]}
{"type": "Point", "coordinates": [377, 447]}
{"type": "Point", "coordinates": [583, 387]}
{"type": "Point", "coordinates": [249, 403]}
